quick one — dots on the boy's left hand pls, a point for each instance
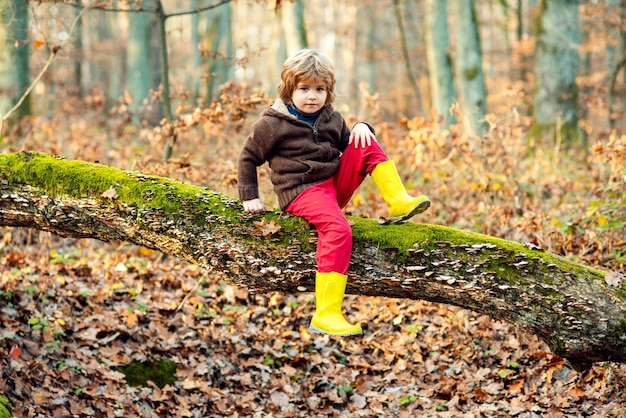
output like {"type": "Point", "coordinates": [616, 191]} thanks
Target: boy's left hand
{"type": "Point", "coordinates": [362, 135]}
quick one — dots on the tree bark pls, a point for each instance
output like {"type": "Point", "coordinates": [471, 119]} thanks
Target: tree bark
{"type": "Point", "coordinates": [14, 17]}
{"type": "Point", "coordinates": [138, 65]}
{"type": "Point", "coordinates": [579, 311]}
{"type": "Point", "coordinates": [439, 61]}
{"type": "Point", "coordinates": [555, 106]}
{"type": "Point", "coordinates": [468, 66]}
{"type": "Point", "coordinates": [407, 57]}
{"type": "Point", "coordinates": [294, 28]}
{"type": "Point", "coordinates": [219, 45]}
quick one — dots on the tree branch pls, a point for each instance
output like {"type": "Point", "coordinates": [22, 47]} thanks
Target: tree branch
{"type": "Point", "coordinates": [568, 305]}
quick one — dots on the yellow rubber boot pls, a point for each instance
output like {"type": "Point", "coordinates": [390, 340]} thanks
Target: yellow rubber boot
{"type": "Point", "coordinates": [328, 319]}
{"type": "Point", "coordinates": [402, 206]}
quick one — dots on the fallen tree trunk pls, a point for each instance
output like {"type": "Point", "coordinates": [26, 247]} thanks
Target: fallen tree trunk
{"type": "Point", "coordinates": [579, 311]}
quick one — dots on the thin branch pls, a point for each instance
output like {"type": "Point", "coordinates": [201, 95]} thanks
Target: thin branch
{"type": "Point", "coordinates": [51, 58]}
{"type": "Point", "coordinates": [167, 16]}
{"type": "Point", "coordinates": [199, 9]}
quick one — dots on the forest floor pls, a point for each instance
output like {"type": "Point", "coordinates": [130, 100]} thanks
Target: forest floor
{"type": "Point", "coordinates": [74, 312]}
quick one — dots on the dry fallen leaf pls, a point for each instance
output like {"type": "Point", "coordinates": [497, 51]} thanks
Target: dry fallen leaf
{"type": "Point", "coordinates": [15, 352]}
{"type": "Point", "coordinates": [280, 398]}
{"type": "Point", "coordinates": [267, 228]}
{"type": "Point", "coordinates": [113, 375]}
{"type": "Point", "coordinates": [131, 318]}
{"type": "Point", "coordinates": [110, 194]}
{"type": "Point", "coordinates": [613, 278]}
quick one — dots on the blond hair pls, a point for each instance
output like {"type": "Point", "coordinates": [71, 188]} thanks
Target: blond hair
{"type": "Point", "coordinates": [306, 64]}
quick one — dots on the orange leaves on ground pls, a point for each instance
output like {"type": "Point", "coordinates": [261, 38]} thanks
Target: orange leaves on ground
{"type": "Point", "coordinates": [14, 258]}
{"type": "Point", "coordinates": [131, 318]}
{"type": "Point", "coordinates": [241, 352]}
{"type": "Point", "coordinates": [15, 352]}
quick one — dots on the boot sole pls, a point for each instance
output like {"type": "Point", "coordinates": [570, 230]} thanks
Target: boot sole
{"type": "Point", "coordinates": [317, 330]}
{"type": "Point", "coordinates": [419, 208]}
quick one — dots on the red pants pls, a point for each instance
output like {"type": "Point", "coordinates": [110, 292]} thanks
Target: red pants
{"type": "Point", "coordinates": [321, 205]}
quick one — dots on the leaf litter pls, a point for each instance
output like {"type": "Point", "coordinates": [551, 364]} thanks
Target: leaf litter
{"type": "Point", "coordinates": [245, 354]}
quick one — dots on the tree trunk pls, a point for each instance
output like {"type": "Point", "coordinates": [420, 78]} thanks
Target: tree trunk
{"type": "Point", "coordinates": [406, 56]}
{"type": "Point", "coordinates": [294, 29]}
{"type": "Point", "coordinates": [613, 113]}
{"type": "Point", "coordinates": [556, 68]}
{"type": "Point", "coordinates": [15, 20]}
{"type": "Point", "coordinates": [365, 76]}
{"type": "Point", "coordinates": [109, 67]}
{"type": "Point", "coordinates": [219, 41]}
{"type": "Point", "coordinates": [138, 66]}
{"type": "Point", "coordinates": [468, 66]}
{"type": "Point", "coordinates": [195, 67]}
{"type": "Point", "coordinates": [6, 59]}
{"type": "Point", "coordinates": [439, 61]}
{"type": "Point", "coordinates": [579, 311]}
{"type": "Point", "coordinates": [78, 55]}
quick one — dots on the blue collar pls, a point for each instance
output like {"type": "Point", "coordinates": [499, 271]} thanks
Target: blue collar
{"type": "Point", "coordinates": [309, 118]}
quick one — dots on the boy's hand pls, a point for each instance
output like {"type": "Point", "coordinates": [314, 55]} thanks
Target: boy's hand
{"type": "Point", "coordinates": [253, 206]}
{"type": "Point", "coordinates": [362, 135]}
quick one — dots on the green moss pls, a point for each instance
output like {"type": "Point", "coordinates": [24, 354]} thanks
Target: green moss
{"type": "Point", "coordinates": [5, 407]}
{"type": "Point", "coordinates": [293, 228]}
{"type": "Point", "coordinates": [424, 236]}
{"type": "Point", "coordinates": [78, 178]}
{"type": "Point", "coordinates": [60, 177]}
{"type": "Point", "coordinates": [161, 373]}
{"type": "Point", "coordinates": [471, 73]}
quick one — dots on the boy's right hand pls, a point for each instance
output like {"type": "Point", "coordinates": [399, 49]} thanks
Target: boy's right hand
{"type": "Point", "coordinates": [253, 206]}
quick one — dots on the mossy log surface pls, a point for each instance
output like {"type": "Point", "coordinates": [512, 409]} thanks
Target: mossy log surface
{"type": "Point", "coordinates": [570, 306]}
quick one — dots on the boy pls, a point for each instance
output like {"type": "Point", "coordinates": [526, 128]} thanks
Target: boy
{"type": "Point", "coordinates": [316, 165]}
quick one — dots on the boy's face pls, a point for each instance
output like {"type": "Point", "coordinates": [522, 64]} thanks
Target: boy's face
{"type": "Point", "coordinates": [309, 95]}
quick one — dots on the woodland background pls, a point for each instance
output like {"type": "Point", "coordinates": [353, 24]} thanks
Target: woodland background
{"type": "Point", "coordinates": [72, 312]}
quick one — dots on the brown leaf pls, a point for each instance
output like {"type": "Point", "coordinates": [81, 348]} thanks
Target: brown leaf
{"type": "Point", "coordinates": [267, 228]}
{"type": "Point", "coordinates": [113, 375]}
{"type": "Point", "coordinates": [131, 318]}
{"type": "Point", "coordinates": [14, 258]}
{"type": "Point", "coordinates": [613, 278]}
{"type": "Point", "coordinates": [481, 394]}
{"type": "Point", "coordinates": [110, 194]}
{"type": "Point", "coordinates": [279, 398]}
